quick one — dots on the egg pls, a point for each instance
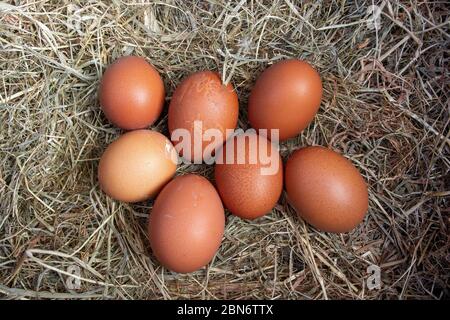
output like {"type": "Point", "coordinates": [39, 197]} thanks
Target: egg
{"type": "Point", "coordinates": [250, 181]}
{"type": "Point", "coordinates": [326, 190]}
{"type": "Point", "coordinates": [286, 97]}
{"type": "Point", "coordinates": [137, 165]}
{"type": "Point", "coordinates": [131, 93]}
{"type": "Point", "coordinates": [201, 99]}
{"type": "Point", "coordinates": [186, 224]}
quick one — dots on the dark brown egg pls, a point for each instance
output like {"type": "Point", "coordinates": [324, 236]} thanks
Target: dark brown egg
{"type": "Point", "coordinates": [186, 224]}
{"type": "Point", "coordinates": [250, 181]}
{"type": "Point", "coordinates": [202, 98]}
{"type": "Point", "coordinates": [131, 93]}
{"type": "Point", "coordinates": [286, 96]}
{"type": "Point", "coordinates": [326, 190]}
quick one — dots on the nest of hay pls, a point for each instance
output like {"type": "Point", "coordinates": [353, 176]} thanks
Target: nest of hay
{"type": "Point", "coordinates": [386, 107]}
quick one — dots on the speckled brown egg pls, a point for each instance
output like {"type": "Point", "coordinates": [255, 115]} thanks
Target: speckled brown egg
{"type": "Point", "coordinates": [286, 96]}
{"type": "Point", "coordinates": [326, 190]}
{"type": "Point", "coordinates": [249, 175]}
{"type": "Point", "coordinates": [202, 98]}
{"type": "Point", "coordinates": [186, 224]}
{"type": "Point", "coordinates": [131, 93]}
{"type": "Point", "coordinates": [137, 165]}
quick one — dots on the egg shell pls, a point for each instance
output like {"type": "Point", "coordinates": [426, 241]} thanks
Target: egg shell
{"type": "Point", "coordinates": [131, 93]}
{"type": "Point", "coordinates": [202, 97]}
{"type": "Point", "coordinates": [246, 190]}
{"type": "Point", "coordinates": [186, 224]}
{"type": "Point", "coordinates": [326, 190]}
{"type": "Point", "coordinates": [286, 96]}
{"type": "Point", "coordinates": [137, 165]}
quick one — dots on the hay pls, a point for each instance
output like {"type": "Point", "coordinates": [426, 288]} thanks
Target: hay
{"type": "Point", "coordinates": [385, 107]}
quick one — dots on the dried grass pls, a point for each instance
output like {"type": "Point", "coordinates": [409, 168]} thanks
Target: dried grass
{"type": "Point", "coordinates": [385, 106]}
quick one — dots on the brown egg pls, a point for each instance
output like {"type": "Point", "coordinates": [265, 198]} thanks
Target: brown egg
{"type": "Point", "coordinates": [286, 96]}
{"type": "Point", "coordinates": [131, 93]}
{"type": "Point", "coordinates": [202, 97]}
{"type": "Point", "coordinates": [249, 175]}
{"type": "Point", "coordinates": [137, 165]}
{"type": "Point", "coordinates": [326, 190]}
{"type": "Point", "coordinates": [186, 224]}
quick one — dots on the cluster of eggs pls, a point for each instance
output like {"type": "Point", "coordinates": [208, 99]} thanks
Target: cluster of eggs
{"type": "Point", "coordinates": [187, 221]}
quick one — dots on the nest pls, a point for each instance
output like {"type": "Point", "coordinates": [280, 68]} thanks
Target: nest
{"type": "Point", "coordinates": [385, 73]}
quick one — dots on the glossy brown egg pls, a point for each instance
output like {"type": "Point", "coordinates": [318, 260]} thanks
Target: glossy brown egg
{"type": "Point", "coordinates": [326, 190]}
{"type": "Point", "coordinates": [251, 181]}
{"type": "Point", "coordinates": [131, 93]}
{"type": "Point", "coordinates": [137, 165]}
{"type": "Point", "coordinates": [202, 98]}
{"type": "Point", "coordinates": [186, 224]}
{"type": "Point", "coordinates": [286, 96]}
